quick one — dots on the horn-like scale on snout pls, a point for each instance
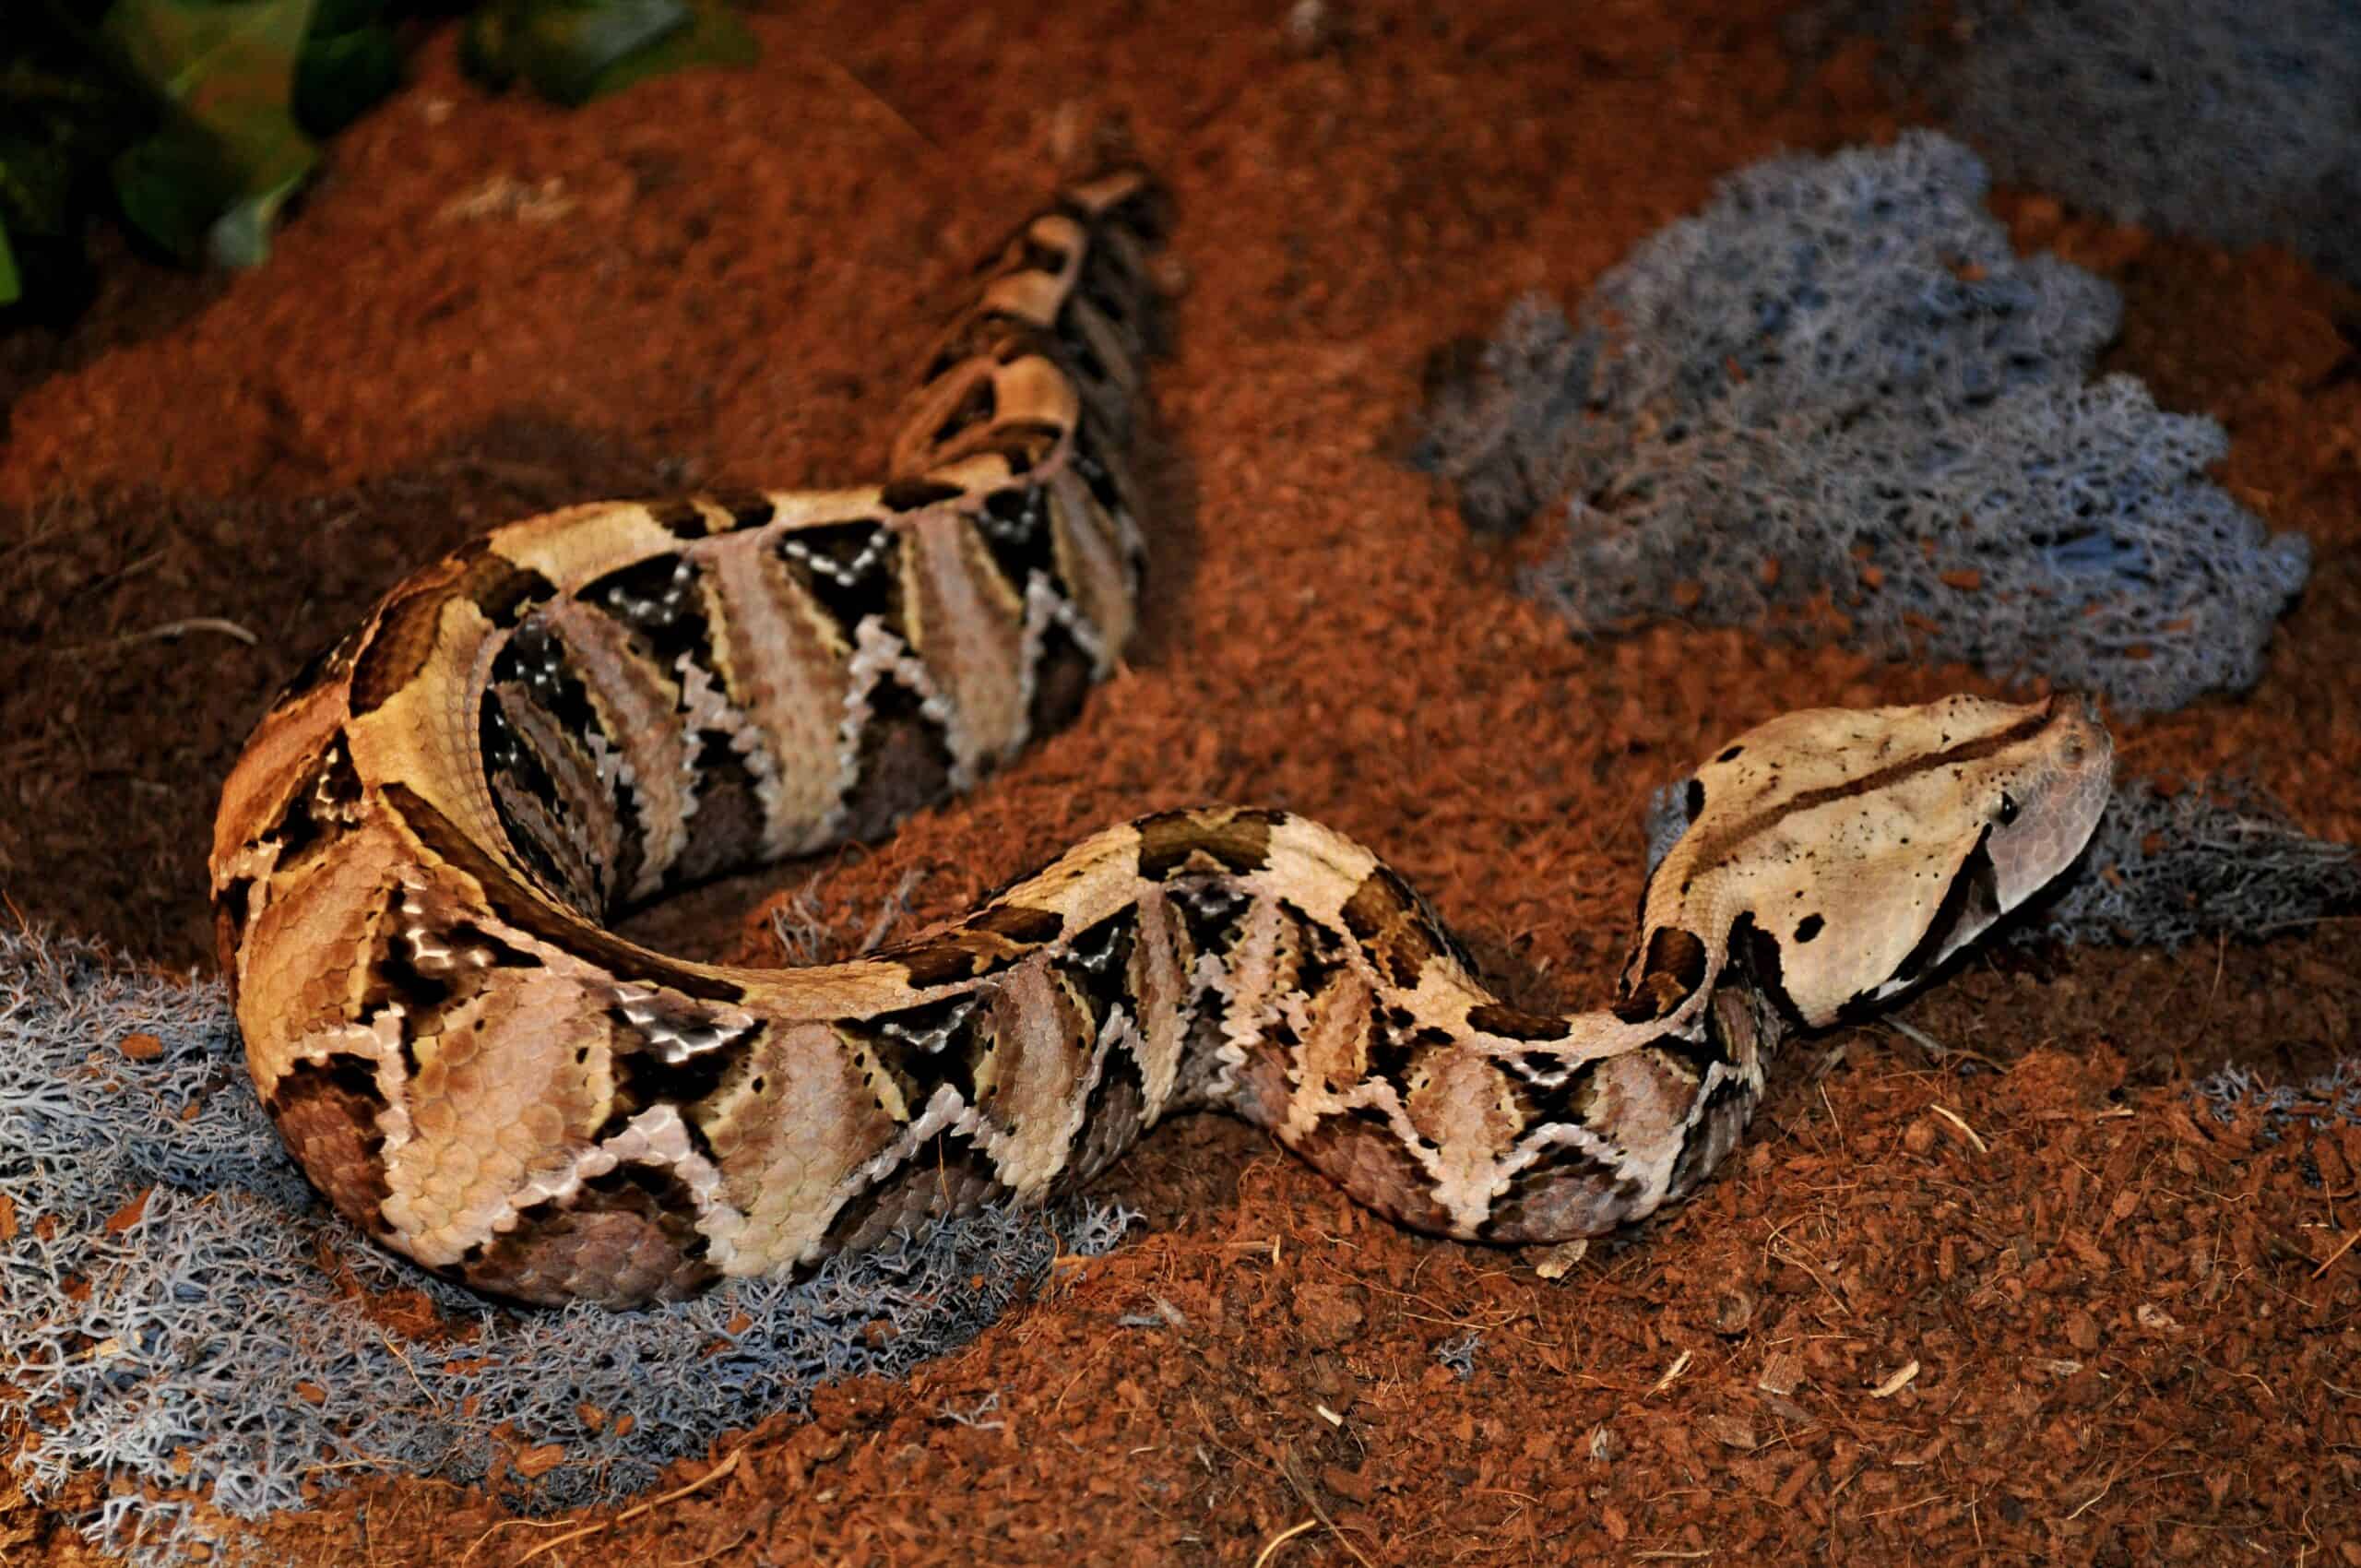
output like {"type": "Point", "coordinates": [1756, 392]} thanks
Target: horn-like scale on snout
{"type": "Point", "coordinates": [416, 858]}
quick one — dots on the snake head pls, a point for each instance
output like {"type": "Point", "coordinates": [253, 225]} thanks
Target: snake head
{"type": "Point", "coordinates": [1844, 854]}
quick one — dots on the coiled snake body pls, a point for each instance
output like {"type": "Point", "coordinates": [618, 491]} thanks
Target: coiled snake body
{"type": "Point", "coordinates": [416, 854]}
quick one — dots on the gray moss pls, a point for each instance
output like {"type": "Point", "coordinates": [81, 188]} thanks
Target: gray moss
{"type": "Point", "coordinates": [193, 1341]}
{"type": "Point", "coordinates": [2235, 122]}
{"type": "Point", "coordinates": [1838, 386]}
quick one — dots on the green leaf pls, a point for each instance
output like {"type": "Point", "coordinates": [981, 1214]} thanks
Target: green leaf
{"type": "Point", "coordinates": [563, 47]}
{"type": "Point", "coordinates": [350, 62]}
{"type": "Point", "coordinates": [211, 182]}
{"type": "Point", "coordinates": [573, 51]}
{"type": "Point", "coordinates": [714, 37]}
{"type": "Point", "coordinates": [12, 288]}
{"type": "Point", "coordinates": [64, 110]}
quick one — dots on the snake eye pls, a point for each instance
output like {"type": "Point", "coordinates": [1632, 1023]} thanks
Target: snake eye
{"type": "Point", "coordinates": [2008, 811]}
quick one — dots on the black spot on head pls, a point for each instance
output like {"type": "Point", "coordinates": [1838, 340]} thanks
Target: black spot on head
{"type": "Point", "coordinates": [1692, 799]}
{"type": "Point", "coordinates": [1731, 755]}
{"type": "Point", "coordinates": [1808, 928]}
{"type": "Point", "coordinates": [1754, 956]}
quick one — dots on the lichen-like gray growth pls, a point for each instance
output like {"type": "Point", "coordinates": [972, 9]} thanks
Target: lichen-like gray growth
{"type": "Point", "coordinates": [2333, 1098]}
{"type": "Point", "coordinates": [2169, 867]}
{"type": "Point", "coordinates": [1838, 387]}
{"type": "Point", "coordinates": [1458, 1353]}
{"type": "Point", "coordinates": [2165, 867]}
{"type": "Point", "coordinates": [164, 1306]}
{"type": "Point", "coordinates": [2237, 122]}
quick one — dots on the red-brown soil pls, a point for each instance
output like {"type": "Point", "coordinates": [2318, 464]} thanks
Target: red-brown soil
{"type": "Point", "coordinates": [2134, 1337]}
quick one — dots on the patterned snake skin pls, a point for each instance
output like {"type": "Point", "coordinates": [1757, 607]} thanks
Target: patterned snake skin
{"type": "Point", "coordinates": [417, 857]}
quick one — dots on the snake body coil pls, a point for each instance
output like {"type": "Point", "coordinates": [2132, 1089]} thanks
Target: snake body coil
{"type": "Point", "coordinates": [417, 855]}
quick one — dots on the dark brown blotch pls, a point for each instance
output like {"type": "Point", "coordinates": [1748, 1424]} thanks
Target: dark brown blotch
{"type": "Point", "coordinates": [1394, 926]}
{"type": "Point", "coordinates": [399, 647]}
{"type": "Point", "coordinates": [324, 668]}
{"type": "Point", "coordinates": [726, 829]}
{"type": "Point", "coordinates": [906, 762]}
{"type": "Point", "coordinates": [947, 1175]}
{"type": "Point", "coordinates": [628, 1237]}
{"type": "Point", "coordinates": [517, 902]}
{"type": "Point", "coordinates": [327, 1113]}
{"type": "Point", "coordinates": [928, 1046]}
{"type": "Point", "coordinates": [1097, 965]}
{"type": "Point", "coordinates": [1237, 843]}
{"type": "Point", "coordinates": [501, 589]}
{"type": "Point", "coordinates": [1563, 1193]}
{"type": "Point", "coordinates": [1515, 1023]}
{"type": "Point", "coordinates": [1674, 968]}
{"type": "Point", "coordinates": [1365, 1156]}
{"type": "Point", "coordinates": [911, 494]}
{"type": "Point", "coordinates": [747, 509]}
{"type": "Point", "coordinates": [1110, 1118]}
{"type": "Point", "coordinates": [1061, 681]}
{"type": "Point", "coordinates": [680, 517]}
{"type": "Point", "coordinates": [986, 943]}
{"type": "Point", "coordinates": [1550, 1090]}
{"type": "Point", "coordinates": [1020, 924]}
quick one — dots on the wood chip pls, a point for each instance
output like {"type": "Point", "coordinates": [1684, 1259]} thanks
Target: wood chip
{"type": "Point", "coordinates": [1956, 1119]}
{"type": "Point", "coordinates": [1896, 1384]}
